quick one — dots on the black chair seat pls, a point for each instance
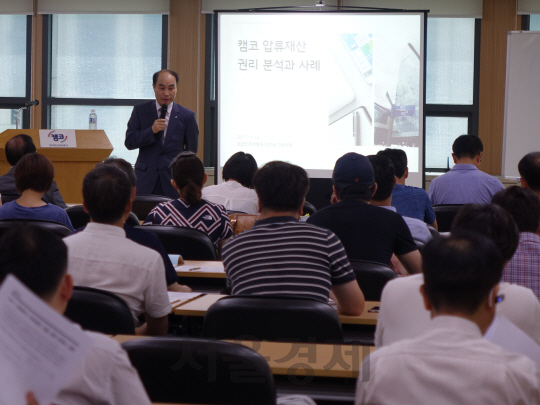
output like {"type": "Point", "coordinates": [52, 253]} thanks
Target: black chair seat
{"type": "Point", "coordinates": [79, 218]}
{"type": "Point", "coordinates": [372, 277]}
{"type": "Point", "coordinates": [191, 244]}
{"type": "Point", "coordinates": [144, 203]}
{"type": "Point", "coordinates": [274, 318]}
{"type": "Point", "coordinates": [198, 371]}
{"type": "Point", "coordinates": [100, 311]}
{"type": "Point", "coordinates": [56, 227]}
{"type": "Point", "coordinates": [445, 214]}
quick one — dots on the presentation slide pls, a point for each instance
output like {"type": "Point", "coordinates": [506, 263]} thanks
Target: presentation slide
{"type": "Point", "coordinates": [308, 87]}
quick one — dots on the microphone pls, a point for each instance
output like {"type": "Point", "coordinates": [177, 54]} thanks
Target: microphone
{"type": "Point", "coordinates": [31, 103]}
{"type": "Point", "coordinates": [163, 111]}
{"type": "Point", "coordinates": [162, 115]}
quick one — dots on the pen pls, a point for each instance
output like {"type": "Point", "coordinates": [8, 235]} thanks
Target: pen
{"type": "Point", "coordinates": [195, 268]}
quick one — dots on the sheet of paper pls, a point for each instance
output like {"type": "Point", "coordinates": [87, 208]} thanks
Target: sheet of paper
{"type": "Point", "coordinates": [214, 268]}
{"type": "Point", "coordinates": [181, 296]}
{"type": "Point", "coordinates": [39, 348]}
{"type": "Point", "coordinates": [507, 335]}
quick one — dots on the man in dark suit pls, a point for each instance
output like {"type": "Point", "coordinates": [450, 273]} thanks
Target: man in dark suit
{"type": "Point", "coordinates": [158, 139]}
{"type": "Point", "coordinates": [15, 149]}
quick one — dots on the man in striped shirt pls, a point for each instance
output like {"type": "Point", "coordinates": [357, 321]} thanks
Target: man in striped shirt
{"type": "Point", "coordinates": [281, 255]}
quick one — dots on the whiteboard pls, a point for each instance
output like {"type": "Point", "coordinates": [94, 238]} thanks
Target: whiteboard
{"type": "Point", "coordinates": [522, 103]}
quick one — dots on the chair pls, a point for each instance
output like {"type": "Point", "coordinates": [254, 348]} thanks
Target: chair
{"type": "Point", "coordinates": [274, 318]}
{"type": "Point", "coordinates": [190, 243]}
{"type": "Point", "coordinates": [145, 203]}
{"type": "Point", "coordinates": [100, 311]}
{"type": "Point", "coordinates": [6, 197]}
{"type": "Point", "coordinates": [445, 214]}
{"type": "Point", "coordinates": [434, 233]}
{"type": "Point", "coordinates": [309, 208]}
{"type": "Point", "coordinates": [198, 371]}
{"type": "Point", "coordinates": [58, 228]}
{"type": "Point", "coordinates": [79, 218]}
{"type": "Point", "coordinates": [372, 277]}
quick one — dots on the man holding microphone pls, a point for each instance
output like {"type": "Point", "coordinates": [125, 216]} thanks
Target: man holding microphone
{"type": "Point", "coordinates": [160, 129]}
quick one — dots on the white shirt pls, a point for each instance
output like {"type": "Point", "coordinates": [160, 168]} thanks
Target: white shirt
{"type": "Point", "coordinates": [102, 257]}
{"type": "Point", "coordinates": [167, 116]}
{"type": "Point", "coordinates": [105, 376]}
{"type": "Point", "coordinates": [449, 364]}
{"type": "Point", "coordinates": [419, 229]}
{"type": "Point", "coordinates": [403, 315]}
{"type": "Point", "coordinates": [233, 196]}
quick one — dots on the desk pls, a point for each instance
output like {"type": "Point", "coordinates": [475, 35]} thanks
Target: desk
{"type": "Point", "coordinates": [200, 305]}
{"type": "Point", "coordinates": [209, 269]}
{"type": "Point", "coordinates": [303, 359]}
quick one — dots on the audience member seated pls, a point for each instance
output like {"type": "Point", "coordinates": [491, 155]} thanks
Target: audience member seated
{"type": "Point", "coordinates": [386, 180]}
{"type": "Point", "coordinates": [38, 258]}
{"type": "Point", "coordinates": [465, 184]}
{"type": "Point", "coordinates": [529, 170]}
{"type": "Point", "coordinates": [403, 316]}
{"type": "Point", "coordinates": [366, 231]}
{"type": "Point", "coordinates": [34, 175]}
{"type": "Point", "coordinates": [524, 206]}
{"type": "Point", "coordinates": [102, 257]}
{"type": "Point", "coordinates": [236, 193]}
{"type": "Point", "coordinates": [451, 362]}
{"type": "Point", "coordinates": [281, 255]}
{"type": "Point", "coordinates": [190, 210]}
{"type": "Point", "coordinates": [144, 238]}
{"type": "Point", "coordinates": [15, 149]}
{"type": "Point", "coordinates": [412, 202]}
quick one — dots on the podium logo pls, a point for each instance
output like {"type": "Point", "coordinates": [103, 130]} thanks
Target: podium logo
{"type": "Point", "coordinates": [57, 137]}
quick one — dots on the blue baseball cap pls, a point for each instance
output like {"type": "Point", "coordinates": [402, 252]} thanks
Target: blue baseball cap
{"type": "Point", "coordinates": [353, 169]}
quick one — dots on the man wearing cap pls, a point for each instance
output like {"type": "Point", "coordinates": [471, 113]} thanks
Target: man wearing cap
{"type": "Point", "coordinates": [367, 232]}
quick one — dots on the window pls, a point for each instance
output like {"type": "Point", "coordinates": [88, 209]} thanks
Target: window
{"type": "Point", "coordinates": [452, 54]}
{"type": "Point", "coordinates": [102, 62]}
{"type": "Point", "coordinates": [14, 69]}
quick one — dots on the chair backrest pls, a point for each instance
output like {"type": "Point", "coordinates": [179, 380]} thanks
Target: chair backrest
{"type": "Point", "coordinates": [445, 214]}
{"type": "Point", "coordinates": [434, 233]}
{"type": "Point", "coordinates": [100, 311]}
{"type": "Point", "coordinates": [372, 277]}
{"type": "Point", "coordinates": [198, 371]}
{"type": "Point", "coordinates": [274, 318]}
{"type": "Point", "coordinates": [309, 208]}
{"type": "Point", "coordinates": [58, 228]}
{"type": "Point", "coordinates": [79, 218]}
{"type": "Point", "coordinates": [242, 222]}
{"type": "Point", "coordinates": [191, 244]}
{"type": "Point", "coordinates": [144, 203]}
{"type": "Point", "coordinates": [6, 197]}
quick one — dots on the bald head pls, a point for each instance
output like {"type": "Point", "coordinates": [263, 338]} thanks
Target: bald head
{"type": "Point", "coordinates": [17, 147]}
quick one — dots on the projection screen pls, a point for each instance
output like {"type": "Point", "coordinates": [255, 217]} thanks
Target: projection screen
{"type": "Point", "coordinates": [308, 87]}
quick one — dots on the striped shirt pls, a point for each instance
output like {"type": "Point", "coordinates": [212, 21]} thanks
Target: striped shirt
{"type": "Point", "coordinates": [281, 255]}
{"type": "Point", "coordinates": [205, 216]}
{"type": "Point", "coordinates": [524, 267]}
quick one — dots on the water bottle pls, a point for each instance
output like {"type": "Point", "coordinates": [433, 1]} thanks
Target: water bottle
{"type": "Point", "coordinates": [92, 120]}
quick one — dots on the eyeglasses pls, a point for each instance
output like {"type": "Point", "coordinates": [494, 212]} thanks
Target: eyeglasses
{"type": "Point", "coordinates": [498, 299]}
{"type": "Point", "coordinates": [186, 153]}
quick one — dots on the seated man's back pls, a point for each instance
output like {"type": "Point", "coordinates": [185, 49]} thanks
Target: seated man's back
{"type": "Point", "coordinates": [102, 257]}
{"type": "Point", "coordinates": [281, 255]}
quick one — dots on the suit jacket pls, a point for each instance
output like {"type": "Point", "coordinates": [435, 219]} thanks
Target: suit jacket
{"type": "Point", "coordinates": [7, 186]}
{"type": "Point", "coordinates": [155, 156]}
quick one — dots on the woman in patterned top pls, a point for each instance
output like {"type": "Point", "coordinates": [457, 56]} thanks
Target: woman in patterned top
{"type": "Point", "coordinates": [190, 210]}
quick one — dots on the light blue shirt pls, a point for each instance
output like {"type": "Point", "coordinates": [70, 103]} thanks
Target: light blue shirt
{"type": "Point", "coordinates": [464, 184]}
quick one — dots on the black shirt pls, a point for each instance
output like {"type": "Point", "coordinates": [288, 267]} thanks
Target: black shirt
{"type": "Point", "coordinates": [367, 232]}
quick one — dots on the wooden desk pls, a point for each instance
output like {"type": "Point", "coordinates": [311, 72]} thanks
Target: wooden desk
{"type": "Point", "coordinates": [218, 273]}
{"type": "Point", "coordinates": [200, 305]}
{"type": "Point", "coordinates": [301, 359]}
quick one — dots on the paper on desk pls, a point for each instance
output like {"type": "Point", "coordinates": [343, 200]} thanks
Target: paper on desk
{"type": "Point", "coordinates": [181, 296]}
{"type": "Point", "coordinates": [504, 333]}
{"type": "Point", "coordinates": [39, 348]}
{"type": "Point", "coordinates": [204, 269]}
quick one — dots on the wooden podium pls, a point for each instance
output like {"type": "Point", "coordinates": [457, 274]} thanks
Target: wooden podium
{"type": "Point", "coordinates": [70, 164]}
